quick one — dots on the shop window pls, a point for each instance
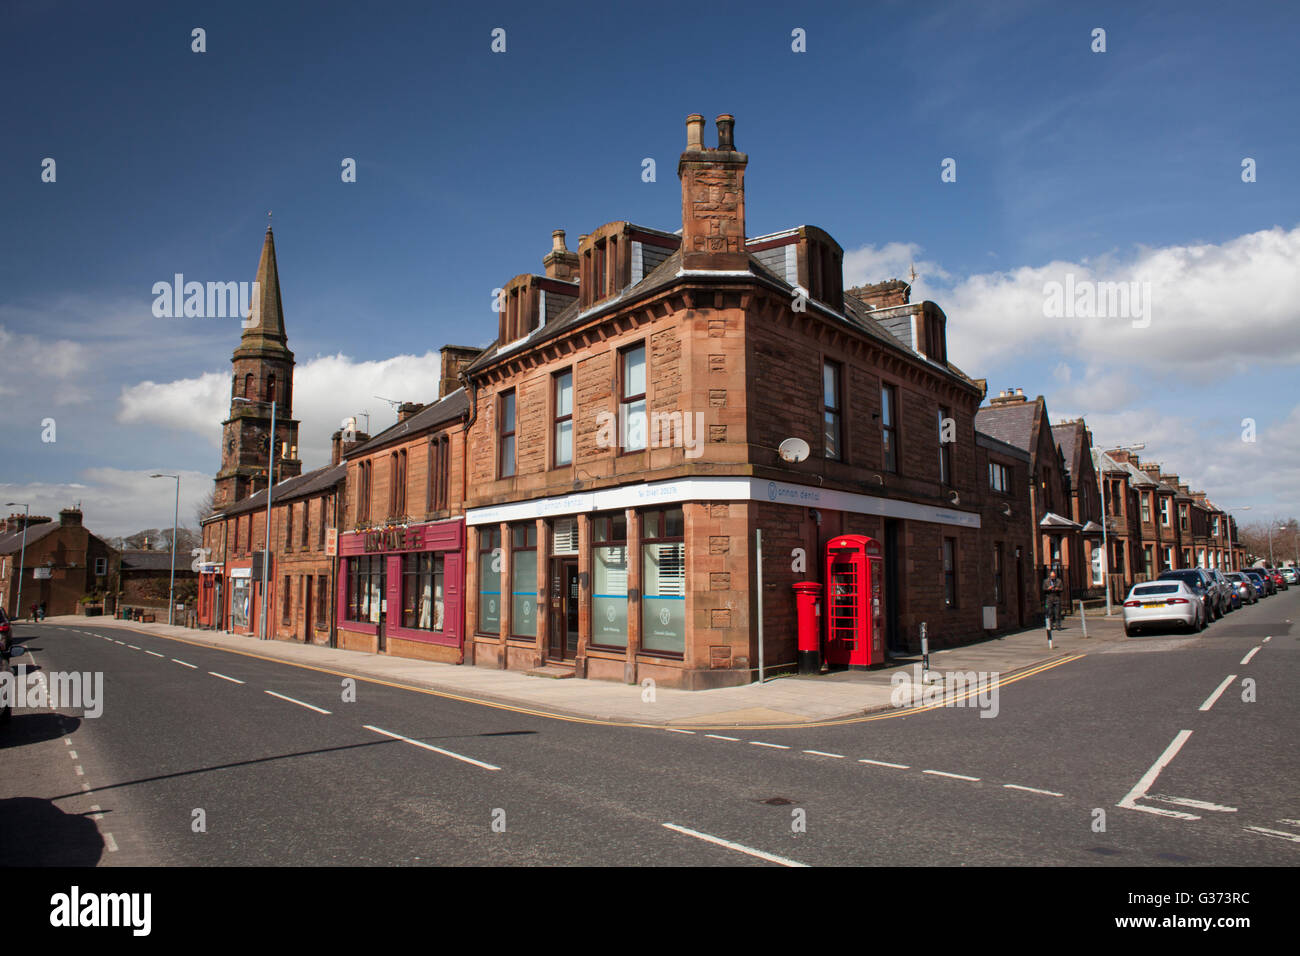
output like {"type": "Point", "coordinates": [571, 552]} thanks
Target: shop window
{"type": "Point", "coordinates": [422, 591]}
{"type": "Point", "coordinates": [239, 598]}
{"type": "Point", "coordinates": [365, 589]}
{"type": "Point", "coordinates": [523, 580]}
{"type": "Point", "coordinates": [609, 585]}
{"type": "Point", "coordinates": [663, 581]}
{"type": "Point", "coordinates": [564, 537]}
{"type": "Point", "coordinates": [322, 612]}
{"type": "Point", "coordinates": [489, 580]}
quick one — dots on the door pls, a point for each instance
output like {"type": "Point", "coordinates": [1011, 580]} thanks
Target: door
{"type": "Point", "coordinates": [306, 608]}
{"type": "Point", "coordinates": [1021, 597]}
{"type": "Point", "coordinates": [563, 640]}
{"type": "Point", "coordinates": [380, 637]}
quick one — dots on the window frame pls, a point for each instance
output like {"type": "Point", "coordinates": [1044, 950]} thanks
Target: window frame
{"type": "Point", "coordinates": [662, 538]}
{"type": "Point", "coordinates": [625, 400]}
{"type": "Point", "coordinates": [604, 524]}
{"type": "Point", "coordinates": [833, 415]}
{"type": "Point", "coordinates": [558, 420]}
{"type": "Point", "coordinates": [889, 437]}
{"type": "Point", "coordinates": [510, 397]}
{"type": "Point", "coordinates": [529, 528]}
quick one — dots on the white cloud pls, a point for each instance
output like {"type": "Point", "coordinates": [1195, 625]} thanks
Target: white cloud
{"type": "Point", "coordinates": [326, 389]}
{"type": "Point", "coordinates": [114, 501]}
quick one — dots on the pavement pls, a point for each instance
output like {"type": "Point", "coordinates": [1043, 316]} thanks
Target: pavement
{"type": "Point", "coordinates": [788, 701]}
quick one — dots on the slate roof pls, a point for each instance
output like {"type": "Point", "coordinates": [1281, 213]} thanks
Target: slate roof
{"type": "Point", "coordinates": [856, 314]}
{"type": "Point", "coordinates": [1013, 423]}
{"type": "Point", "coordinates": [444, 410]}
{"type": "Point", "coordinates": [289, 489]}
{"type": "Point", "coordinates": [136, 559]}
{"type": "Point", "coordinates": [1067, 436]}
{"type": "Point", "coordinates": [12, 543]}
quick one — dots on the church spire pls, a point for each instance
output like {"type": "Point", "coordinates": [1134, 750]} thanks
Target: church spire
{"type": "Point", "coordinates": [267, 337]}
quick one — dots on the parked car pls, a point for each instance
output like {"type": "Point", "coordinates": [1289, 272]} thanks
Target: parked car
{"type": "Point", "coordinates": [1227, 596]}
{"type": "Point", "coordinates": [1262, 583]}
{"type": "Point", "coordinates": [1279, 580]}
{"type": "Point", "coordinates": [1199, 581]}
{"type": "Point", "coordinates": [1243, 587]}
{"type": "Point", "coordinates": [1291, 574]}
{"type": "Point", "coordinates": [1166, 601]}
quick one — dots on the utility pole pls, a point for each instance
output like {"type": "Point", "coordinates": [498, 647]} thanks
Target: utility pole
{"type": "Point", "coordinates": [176, 518]}
{"type": "Point", "coordinates": [22, 554]}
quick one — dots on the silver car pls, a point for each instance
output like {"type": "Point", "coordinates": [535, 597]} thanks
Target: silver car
{"type": "Point", "coordinates": [1243, 586]}
{"type": "Point", "coordinates": [1161, 603]}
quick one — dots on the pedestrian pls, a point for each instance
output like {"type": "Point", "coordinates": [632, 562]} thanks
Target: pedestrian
{"type": "Point", "coordinates": [41, 610]}
{"type": "Point", "coordinates": [34, 610]}
{"type": "Point", "coordinates": [1052, 589]}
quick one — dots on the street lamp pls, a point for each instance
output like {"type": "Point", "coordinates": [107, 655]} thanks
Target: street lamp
{"type": "Point", "coordinates": [262, 629]}
{"type": "Point", "coordinates": [22, 554]}
{"type": "Point", "coordinates": [176, 517]}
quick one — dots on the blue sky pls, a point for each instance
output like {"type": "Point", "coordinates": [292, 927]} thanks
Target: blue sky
{"type": "Point", "coordinates": [1123, 164]}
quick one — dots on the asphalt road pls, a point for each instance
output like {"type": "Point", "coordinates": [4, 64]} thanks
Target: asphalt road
{"type": "Point", "coordinates": [280, 769]}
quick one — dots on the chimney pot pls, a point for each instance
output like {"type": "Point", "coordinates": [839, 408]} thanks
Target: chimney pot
{"type": "Point", "coordinates": [695, 131]}
{"type": "Point", "coordinates": [557, 241]}
{"type": "Point", "coordinates": [726, 128]}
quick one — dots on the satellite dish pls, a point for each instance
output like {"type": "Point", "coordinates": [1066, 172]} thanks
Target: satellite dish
{"type": "Point", "coordinates": [793, 449]}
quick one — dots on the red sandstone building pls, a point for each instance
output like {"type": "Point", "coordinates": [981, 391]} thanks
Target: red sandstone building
{"type": "Point", "coordinates": [623, 449]}
{"type": "Point", "coordinates": [60, 562]}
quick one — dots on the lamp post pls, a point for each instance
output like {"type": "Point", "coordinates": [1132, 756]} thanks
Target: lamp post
{"type": "Point", "coordinates": [263, 630]}
{"type": "Point", "coordinates": [176, 517]}
{"type": "Point", "coordinates": [22, 554]}
{"type": "Point", "coordinates": [1105, 546]}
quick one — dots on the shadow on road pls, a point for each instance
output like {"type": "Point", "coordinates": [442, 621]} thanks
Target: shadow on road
{"type": "Point", "coordinates": [35, 832]}
{"type": "Point", "coordinates": [24, 727]}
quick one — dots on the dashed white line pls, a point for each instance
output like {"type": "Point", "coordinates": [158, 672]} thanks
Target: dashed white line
{"type": "Point", "coordinates": [1016, 786]}
{"type": "Point", "coordinates": [72, 754]}
{"type": "Point", "coordinates": [86, 787]}
{"type": "Point", "coordinates": [885, 763]}
{"type": "Point", "coordinates": [319, 710]}
{"type": "Point", "coordinates": [738, 847]}
{"type": "Point", "coordinates": [155, 654]}
{"type": "Point", "coordinates": [822, 753]}
{"type": "Point", "coordinates": [233, 680]}
{"type": "Point", "coordinates": [123, 643]}
{"type": "Point", "coordinates": [133, 647]}
{"type": "Point", "coordinates": [1280, 834]}
{"type": "Point", "coordinates": [1209, 701]}
{"type": "Point", "coordinates": [759, 743]}
{"type": "Point", "coordinates": [80, 772]}
{"type": "Point", "coordinates": [421, 743]}
{"type": "Point", "coordinates": [721, 737]}
{"type": "Point", "coordinates": [955, 776]}
{"type": "Point", "coordinates": [674, 730]}
{"type": "Point", "coordinates": [110, 843]}
{"type": "Point", "coordinates": [98, 813]}
{"type": "Point", "coordinates": [1269, 638]}
{"type": "Point", "coordinates": [1253, 652]}
{"type": "Point", "coordinates": [183, 664]}
{"type": "Point", "coordinates": [1149, 778]}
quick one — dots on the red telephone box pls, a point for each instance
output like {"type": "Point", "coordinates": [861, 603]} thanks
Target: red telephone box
{"type": "Point", "coordinates": [855, 592]}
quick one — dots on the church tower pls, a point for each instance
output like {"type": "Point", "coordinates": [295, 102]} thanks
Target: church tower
{"type": "Point", "coordinates": [263, 370]}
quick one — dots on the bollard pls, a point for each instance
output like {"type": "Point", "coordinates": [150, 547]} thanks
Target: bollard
{"type": "Point", "coordinates": [1083, 620]}
{"type": "Point", "coordinates": [1047, 623]}
{"type": "Point", "coordinates": [925, 656]}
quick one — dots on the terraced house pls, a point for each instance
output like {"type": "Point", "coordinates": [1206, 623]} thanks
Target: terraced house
{"type": "Point", "coordinates": [623, 448]}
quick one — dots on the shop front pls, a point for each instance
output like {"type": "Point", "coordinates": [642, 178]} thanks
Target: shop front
{"type": "Point", "coordinates": [401, 590]}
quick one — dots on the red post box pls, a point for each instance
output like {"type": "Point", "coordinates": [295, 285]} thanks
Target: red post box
{"type": "Point", "coordinates": [855, 587]}
{"type": "Point", "coordinates": [807, 598]}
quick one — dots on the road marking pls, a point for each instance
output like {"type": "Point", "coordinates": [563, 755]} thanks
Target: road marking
{"type": "Point", "coordinates": [80, 772]}
{"type": "Point", "coordinates": [1280, 834]}
{"type": "Point", "coordinates": [674, 730]}
{"type": "Point", "coordinates": [759, 743]}
{"type": "Point", "coordinates": [885, 763]}
{"type": "Point", "coordinates": [233, 680]}
{"type": "Point", "coordinates": [1209, 701]}
{"type": "Point", "coordinates": [1269, 638]}
{"type": "Point", "coordinates": [72, 754]}
{"type": "Point", "coordinates": [955, 776]}
{"type": "Point", "coordinates": [133, 647]}
{"type": "Point", "coordinates": [739, 848]}
{"type": "Point", "coordinates": [1253, 652]}
{"type": "Point", "coordinates": [1140, 790]}
{"type": "Point", "coordinates": [183, 664]}
{"type": "Point", "coordinates": [98, 812]}
{"type": "Point", "coordinates": [123, 643]}
{"type": "Point", "coordinates": [1294, 823]}
{"type": "Point", "coordinates": [1194, 804]}
{"type": "Point", "coordinates": [721, 737]}
{"type": "Point", "coordinates": [86, 787]}
{"type": "Point", "coordinates": [421, 743]}
{"type": "Point", "coordinates": [68, 741]}
{"type": "Point", "coordinates": [155, 654]}
{"type": "Point", "coordinates": [319, 710]}
{"type": "Point", "coordinates": [110, 843]}
{"type": "Point", "coordinates": [822, 753]}
{"type": "Point", "coordinates": [1016, 786]}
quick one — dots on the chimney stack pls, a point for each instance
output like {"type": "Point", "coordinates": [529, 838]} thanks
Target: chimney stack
{"type": "Point", "coordinates": [406, 410]}
{"type": "Point", "coordinates": [70, 518]}
{"type": "Point", "coordinates": [713, 198]}
{"type": "Point", "coordinates": [455, 358]}
{"type": "Point", "coordinates": [560, 263]}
